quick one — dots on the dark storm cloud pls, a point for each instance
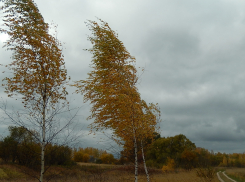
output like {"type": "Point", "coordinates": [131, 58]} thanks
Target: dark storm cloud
{"type": "Point", "coordinates": [200, 92]}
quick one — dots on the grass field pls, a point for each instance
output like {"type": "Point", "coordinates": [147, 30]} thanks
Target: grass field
{"type": "Point", "coordinates": [84, 172]}
{"type": "Point", "coordinates": [236, 173]}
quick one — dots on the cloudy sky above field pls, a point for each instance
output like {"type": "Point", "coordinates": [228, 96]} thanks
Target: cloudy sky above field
{"type": "Point", "coordinates": [193, 52]}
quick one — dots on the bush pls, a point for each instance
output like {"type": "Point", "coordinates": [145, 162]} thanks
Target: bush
{"type": "Point", "coordinates": [107, 158]}
{"type": "Point", "coordinates": [78, 156]}
{"type": "Point", "coordinates": [98, 161]}
{"type": "Point", "coordinates": [207, 173]}
{"type": "Point", "coordinates": [85, 158]}
{"type": "Point", "coordinates": [28, 154]}
{"type": "Point", "coordinates": [21, 147]}
{"type": "Point", "coordinates": [150, 163]}
{"type": "Point", "coordinates": [58, 155]}
{"type": "Point", "coordinates": [170, 165]}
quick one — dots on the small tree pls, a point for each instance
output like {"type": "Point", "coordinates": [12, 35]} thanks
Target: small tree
{"type": "Point", "coordinates": [107, 158]}
{"type": "Point", "coordinates": [85, 158]}
{"type": "Point", "coordinates": [111, 89]}
{"type": "Point", "coordinates": [170, 165]}
{"type": "Point", "coordinates": [38, 68]}
{"type": "Point", "coordinates": [78, 156]}
{"type": "Point", "coordinates": [188, 159]}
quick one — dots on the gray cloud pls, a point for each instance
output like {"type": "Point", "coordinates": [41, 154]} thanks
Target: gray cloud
{"type": "Point", "coordinates": [193, 54]}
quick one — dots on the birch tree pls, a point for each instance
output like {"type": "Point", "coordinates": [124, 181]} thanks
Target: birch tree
{"type": "Point", "coordinates": [38, 68]}
{"type": "Point", "coordinates": [111, 89]}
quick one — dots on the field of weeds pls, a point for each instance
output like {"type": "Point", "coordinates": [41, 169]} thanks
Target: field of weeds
{"type": "Point", "coordinates": [96, 173]}
{"type": "Point", "coordinates": [236, 173]}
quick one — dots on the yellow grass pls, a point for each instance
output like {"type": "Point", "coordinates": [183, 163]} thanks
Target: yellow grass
{"type": "Point", "coordinates": [99, 165]}
{"type": "Point", "coordinates": [85, 172]}
{"type": "Point", "coordinates": [3, 175]}
{"type": "Point", "coordinates": [238, 173]}
{"type": "Point", "coordinates": [181, 176]}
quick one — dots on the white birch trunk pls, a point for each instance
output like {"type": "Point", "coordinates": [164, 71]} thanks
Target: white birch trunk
{"type": "Point", "coordinates": [42, 159]}
{"type": "Point", "coordinates": [43, 139]}
{"type": "Point", "coordinates": [145, 167]}
{"type": "Point", "coordinates": [136, 158]}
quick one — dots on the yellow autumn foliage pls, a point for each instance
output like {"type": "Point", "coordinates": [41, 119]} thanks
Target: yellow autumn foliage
{"type": "Point", "coordinates": [170, 165]}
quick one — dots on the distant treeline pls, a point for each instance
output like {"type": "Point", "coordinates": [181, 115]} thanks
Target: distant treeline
{"type": "Point", "coordinates": [168, 153]}
{"type": "Point", "coordinates": [22, 148]}
{"type": "Point", "coordinates": [179, 152]}
{"type": "Point", "coordinates": [93, 155]}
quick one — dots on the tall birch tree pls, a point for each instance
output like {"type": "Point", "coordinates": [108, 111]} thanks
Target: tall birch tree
{"type": "Point", "coordinates": [38, 68]}
{"type": "Point", "coordinates": [111, 89]}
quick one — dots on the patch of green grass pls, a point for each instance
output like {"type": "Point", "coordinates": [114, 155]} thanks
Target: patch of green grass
{"type": "Point", "coordinates": [10, 173]}
{"type": "Point", "coordinates": [236, 178]}
{"type": "Point", "coordinates": [237, 174]}
{"type": "Point", "coordinates": [3, 175]}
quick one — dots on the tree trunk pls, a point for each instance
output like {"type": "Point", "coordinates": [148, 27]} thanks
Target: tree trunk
{"type": "Point", "coordinates": [43, 139]}
{"type": "Point", "coordinates": [42, 162]}
{"type": "Point", "coordinates": [136, 158]}
{"type": "Point", "coordinates": [143, 156]}
{"type": "Point", "coordinates": [42, 156]}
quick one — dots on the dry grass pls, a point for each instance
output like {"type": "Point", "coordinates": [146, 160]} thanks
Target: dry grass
{"type": "Point", "coordinates": [93, 164]}
{"type": "Point", "coordinates": [181, 176]}
{"type": "Point", "coordinates": [237, 173]}
{"type": "Point", "coordinates": [97, 173]}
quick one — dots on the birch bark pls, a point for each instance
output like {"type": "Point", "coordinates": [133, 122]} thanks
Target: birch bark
{"type": "Point", "coordinates": [136, 158]}
{"type": "Point", "coordinates": [145, 167]}
{"type": "Point", "coordinates": [43, 135]}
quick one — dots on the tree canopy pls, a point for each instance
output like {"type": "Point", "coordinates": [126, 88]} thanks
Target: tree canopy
{"type": "Point", "coordinates": [38, 68]}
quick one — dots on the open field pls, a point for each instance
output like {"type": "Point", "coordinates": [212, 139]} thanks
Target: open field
{"type": "Point", "coordinates": [97, 173]}
{"type": "Point", "coordinates": [182, 176]}
{"type": "Point", "coordinates": [98, 165]}
{"type": "Point", "coordinates": [236, 173]}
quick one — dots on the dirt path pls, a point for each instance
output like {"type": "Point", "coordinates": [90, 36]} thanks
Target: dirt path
{"type": "Point", "coordinates": [224, 178]}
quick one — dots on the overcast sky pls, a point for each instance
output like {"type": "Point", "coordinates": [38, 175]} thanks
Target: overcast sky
{"type": "Point", "coordinates": [193, 52]}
